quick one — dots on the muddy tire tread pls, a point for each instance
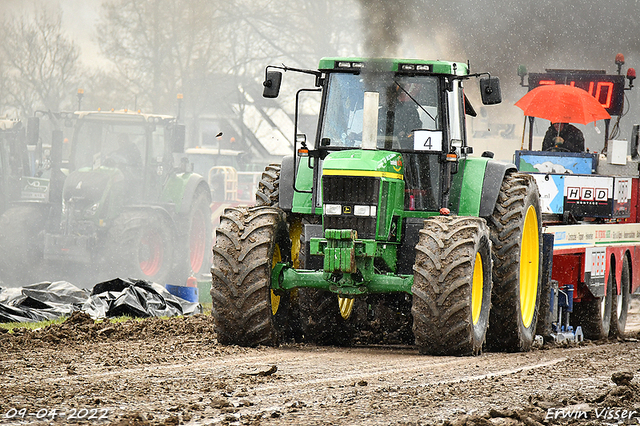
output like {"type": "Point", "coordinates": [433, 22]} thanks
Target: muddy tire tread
{"type": "Point", "coordinates": [445, 257]}
{"type": "Point", "coordinates": [506, 329]}
{"type": "Point", "coordinates": [268, 192]}
{"type": "Point", "coordinates": [241, 274]}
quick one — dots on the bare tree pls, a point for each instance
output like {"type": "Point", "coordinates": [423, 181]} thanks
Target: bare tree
{"type": "Point", "coordinates": [160, 48]}
{"type": "Point", "coordinates": [214, 51]}
{"type": "Point", "coordinates": [39, 63]}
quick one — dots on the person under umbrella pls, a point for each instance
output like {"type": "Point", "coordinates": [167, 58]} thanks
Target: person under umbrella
{"type": "Point", "coordinates": [563, 137]}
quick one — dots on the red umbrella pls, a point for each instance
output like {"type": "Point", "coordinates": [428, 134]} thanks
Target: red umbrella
{"type": "Point", "coordinates": [562, 104]}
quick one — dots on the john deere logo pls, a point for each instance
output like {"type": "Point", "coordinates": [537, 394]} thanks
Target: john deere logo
{"type": "Point", "coordinates": [347, 210]}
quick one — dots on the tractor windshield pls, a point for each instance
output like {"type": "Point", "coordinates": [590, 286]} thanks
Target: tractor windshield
{"type": "Point", "coordinates": [99, 143]}
{"type": "Point", "coordinates": [406, 103]}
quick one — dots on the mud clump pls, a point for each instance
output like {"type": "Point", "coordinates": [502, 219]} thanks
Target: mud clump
{"type": "Point", "coordinates": [622, 378]}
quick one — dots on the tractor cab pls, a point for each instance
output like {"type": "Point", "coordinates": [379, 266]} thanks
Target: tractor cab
{"type": "Point", "coordinates": [139, 146]}
{"type": "Point", "coordinates": [407, 116]}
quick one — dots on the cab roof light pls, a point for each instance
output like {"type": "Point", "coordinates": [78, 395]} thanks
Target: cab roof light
{"type": "Point", "coordinates": [416, 67]}
{"type": "Point", "coordinates": [631, 75]}
{"type": "Point", "coordinates": [349, 64]}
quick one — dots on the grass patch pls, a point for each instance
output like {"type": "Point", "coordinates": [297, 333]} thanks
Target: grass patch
{"type": "Point", "coordinates": [10, 326]}
{"type": "Point", "coordinates": [31, 325]}
{"type": "Point", "coordinates": [207, 308]}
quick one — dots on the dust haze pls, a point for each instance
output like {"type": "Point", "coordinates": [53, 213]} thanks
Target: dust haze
{"type": "Point", "coordinates": [142, 53]}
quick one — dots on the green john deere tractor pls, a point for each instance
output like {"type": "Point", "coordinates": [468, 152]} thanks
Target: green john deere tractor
{"type": "Point", "coordinates": [384, 217]}
{"type": "Point", "coordinates": [112, 198]}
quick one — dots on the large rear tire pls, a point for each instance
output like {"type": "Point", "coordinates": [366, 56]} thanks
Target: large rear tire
{"type": "Point", "coordinates": [140, 246]}
{"type": "Point", "coordinates": [516, 247]}
{"type": "Point", "coordinates": [21, 245]}
{"type": "Point", "coordinates": [268, 192]}
{"type": "Point", "coordinates": [620, 302]}
{"type": "Point", "coordinates": [249, 241]}
{"type": "Point", "coordinates": [452, 286]}
{"type": "Point", "coordinates": [194, 255]}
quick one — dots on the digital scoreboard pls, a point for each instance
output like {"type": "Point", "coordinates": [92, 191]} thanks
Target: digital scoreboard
{"type": "Point", "coordinates": [607, 89]}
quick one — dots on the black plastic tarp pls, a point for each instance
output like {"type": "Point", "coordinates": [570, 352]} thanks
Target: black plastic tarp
{"type": "Point", "coordinates": [117, 297]}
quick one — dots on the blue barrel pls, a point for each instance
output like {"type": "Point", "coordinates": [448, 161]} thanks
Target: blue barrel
{"type": "Point", "coordinates": [189, 294]}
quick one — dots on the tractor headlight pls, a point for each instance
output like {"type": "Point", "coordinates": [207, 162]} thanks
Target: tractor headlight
{"type": "Point", "coordinates": [361, 210]}
{"type": "Point", "coordinates": [332, 209]}
{"type": "Point", "coordinates": [364, 210]}
{"type": "Point", "coordinates": [91, 211]}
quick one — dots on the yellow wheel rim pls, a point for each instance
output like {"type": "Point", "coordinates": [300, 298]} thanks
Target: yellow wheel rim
{"type": "Point", "coordinates": [477, 289]}
{"type": "Point", "coordinates": [295, 230]}
{"type": "Point", "coordinates": [346, 306]}
{"type": "Point", "coordinates": [275, 299]}
{"type": "Point", "coordinates": [529, 265]}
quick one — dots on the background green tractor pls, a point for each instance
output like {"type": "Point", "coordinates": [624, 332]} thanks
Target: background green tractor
{"type": "Point", "coordinates": [385, 223]}
{"type": "Point", "coordinates": [111, 203]}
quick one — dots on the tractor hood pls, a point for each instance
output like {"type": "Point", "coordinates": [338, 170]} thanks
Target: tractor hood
{"type": "Point", "coordinates": [359, 162]}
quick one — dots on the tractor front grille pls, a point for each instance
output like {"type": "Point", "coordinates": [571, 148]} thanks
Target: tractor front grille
{"type": "Point", "coordinates": [350, 191]}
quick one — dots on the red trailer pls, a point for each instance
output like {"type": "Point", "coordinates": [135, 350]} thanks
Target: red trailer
{"type": "Point", "coordinates": [591, 219]}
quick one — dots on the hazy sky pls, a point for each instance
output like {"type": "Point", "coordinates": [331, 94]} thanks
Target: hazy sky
{"type": "Point", "coordinates": [79, 18]}
{"type": "Point", "coordinates": [496, 36]}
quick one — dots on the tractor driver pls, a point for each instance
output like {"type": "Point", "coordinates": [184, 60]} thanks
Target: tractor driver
{"type": "Point", "coordinates": [126, 155]}
{"type": "Point", "coordinates": [400, 117]}
{"type": "Point", "coordinates": [563, 137]}
{"type": "Point", "coordinates": [407, 118]}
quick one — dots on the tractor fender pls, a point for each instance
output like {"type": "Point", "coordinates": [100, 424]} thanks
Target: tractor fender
{"type": "Point", "coordinates": [181, 189]}
{"type": "Point", "coordinates": [286, 183]}
{"type": "Point", "coordinates": [493, 176]}
{"type": "Point", "coordinates": [194, 183]}
{"type": "Point", "coordinates": [154, 209]}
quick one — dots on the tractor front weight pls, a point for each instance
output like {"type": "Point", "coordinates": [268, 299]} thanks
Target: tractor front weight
{"type": "Point", "coordinates": [348, 267]}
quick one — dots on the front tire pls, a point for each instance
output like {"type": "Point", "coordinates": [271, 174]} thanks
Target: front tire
{"type": "Point", "coordinates": [249, 241]}
{"type": "Point", "coordinates": [452, 286]}
{"type": "Point", "coordinates": [516, 247]}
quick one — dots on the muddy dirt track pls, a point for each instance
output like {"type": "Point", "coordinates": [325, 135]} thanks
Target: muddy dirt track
{"type": "Point", "coordinates": [174, 372]}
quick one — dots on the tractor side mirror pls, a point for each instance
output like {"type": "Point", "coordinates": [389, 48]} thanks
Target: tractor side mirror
{"type": "Point", "coordinates": [272, 84]}
{"type": "Point", "coordinates": [490, 91]}
{"type": "Point", "coordinates": [178, 138]}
